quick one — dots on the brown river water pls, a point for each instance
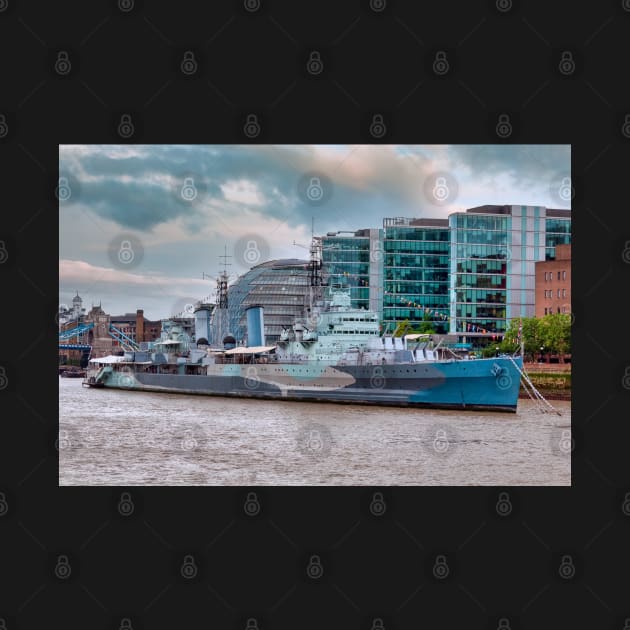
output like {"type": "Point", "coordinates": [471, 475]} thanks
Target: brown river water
{"type": "Point", "coordinates": [123, 438]}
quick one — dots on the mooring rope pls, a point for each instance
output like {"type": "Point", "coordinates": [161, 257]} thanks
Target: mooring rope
{"type": "Point", "coordinates": [542, 400]}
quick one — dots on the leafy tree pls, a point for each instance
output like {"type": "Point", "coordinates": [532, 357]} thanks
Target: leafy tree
{"type": "Point", "coordinates": [425, 327]}
{"type": "Point", "coordinates": [406, 328]}
{"type": "Point", "coordinates": [402, 329]}
{"type": "Point", "coordinates": [555, 333]}
{"type": "Point", "coordinates": [531, 337]}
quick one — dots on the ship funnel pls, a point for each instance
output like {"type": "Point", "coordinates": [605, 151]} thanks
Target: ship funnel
{"type": "Point", "coordinates": [255, 326]}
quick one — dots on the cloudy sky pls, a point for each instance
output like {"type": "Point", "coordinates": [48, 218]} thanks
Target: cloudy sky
{"type": "Point", "coordinates": [141, 225]}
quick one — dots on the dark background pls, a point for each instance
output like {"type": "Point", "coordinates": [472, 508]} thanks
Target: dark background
{"type": "Point", "coordinates": [503, 58]}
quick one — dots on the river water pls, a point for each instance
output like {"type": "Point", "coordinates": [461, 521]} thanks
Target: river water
{"type": "Point", "coordinates": [124, 438]}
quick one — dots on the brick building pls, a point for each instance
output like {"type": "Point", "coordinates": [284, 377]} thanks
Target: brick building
{"type": "Point", "coordinates": [553, 283]}
{"type": "Point", "coordinates": [134, 325]}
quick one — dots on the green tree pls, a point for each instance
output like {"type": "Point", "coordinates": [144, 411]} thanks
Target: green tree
{"type": "Point", "coordinates": [406, 328]}
{"type": "Point", "coordinates": [555, 334]}
{"type": "Point", "coordinates": [531, 337]}
{"type": "Point", "coordinates": [403, 328]}
{"type": "Point", "coordinates": [425, 327]}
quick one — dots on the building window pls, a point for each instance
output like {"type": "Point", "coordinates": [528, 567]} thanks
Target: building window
{"type": "Point", "coordinates": [545, 310]}
{"type": "Point", "coordinates": [558, 309]}
{"type": "Point", "coordinates": [558, 295]}
{"type": "Point", "coordinates": [564, 275]}
{"type": "Point", "coordinates": [545, 276]}
{"type": "Point", "coordinates": [564, 293]}
{"type": "Point", "coordinates": [558, 275]}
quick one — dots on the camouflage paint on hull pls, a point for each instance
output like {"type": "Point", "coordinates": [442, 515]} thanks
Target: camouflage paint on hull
{"type": "Point", "coordinates": [467, 384]}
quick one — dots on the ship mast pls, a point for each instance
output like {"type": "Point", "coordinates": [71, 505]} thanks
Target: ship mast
{"type": "Point", "coordinates": [221, 309]}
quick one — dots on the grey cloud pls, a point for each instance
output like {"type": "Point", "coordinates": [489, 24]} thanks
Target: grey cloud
{"type": "Point", "coordinates": [526, 164]}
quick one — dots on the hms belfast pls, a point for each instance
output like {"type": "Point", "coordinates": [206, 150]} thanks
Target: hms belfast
{"type": "Point", "coordinates": [333, 353]}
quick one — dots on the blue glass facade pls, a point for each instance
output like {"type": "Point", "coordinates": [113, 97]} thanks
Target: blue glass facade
{"type": "Point", "coordinates": [557, 232]}
{"type": "Point", "coordinates": [346, 261]}
{"type": "Point", "coordinates": [479, 272]}
{"type": "Point", "coordinates": [416, 273]}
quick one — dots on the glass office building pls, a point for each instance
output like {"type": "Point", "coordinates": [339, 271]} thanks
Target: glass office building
{"type": "Point", "coordinates": [493, 254]}
{"type": "Point", "coordinates": [415, 272]}
{"type": "Point", "coordinates": [557, 231]}
{"type": "Point", "coordinates": [355, 260]}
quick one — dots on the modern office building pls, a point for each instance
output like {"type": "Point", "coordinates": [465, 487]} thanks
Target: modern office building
{"type": "Point", "coordinates": [494, 250]}
{"type": "Point", "coordinates": [553, 283]}
{"type": "Point", "coordinates": [355, 260]}
{"type": "Point", "coordinates": [416, 272]}
{"type": "Point", "coordinates": [557, 231]}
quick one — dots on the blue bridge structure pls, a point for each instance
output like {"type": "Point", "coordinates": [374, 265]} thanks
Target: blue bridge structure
{"type": "Point", "coordinates": [65, 337]}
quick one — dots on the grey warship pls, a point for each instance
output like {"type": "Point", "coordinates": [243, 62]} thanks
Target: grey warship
{"type": "Point", "coordinates": [335, 353]}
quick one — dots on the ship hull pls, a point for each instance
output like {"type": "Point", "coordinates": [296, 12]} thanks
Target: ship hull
{"type": "Point", "coordinates": [488, 384]}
